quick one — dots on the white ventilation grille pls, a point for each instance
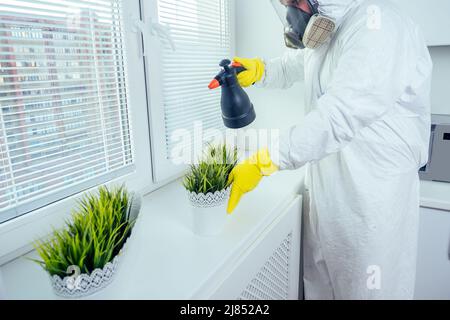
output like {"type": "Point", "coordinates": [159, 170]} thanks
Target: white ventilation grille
{"type": "Point", "coordinates": [272, 280]}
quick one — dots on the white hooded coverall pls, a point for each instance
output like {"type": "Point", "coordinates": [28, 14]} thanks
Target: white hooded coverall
{"type": "Point", "coordinates": [365, 139]}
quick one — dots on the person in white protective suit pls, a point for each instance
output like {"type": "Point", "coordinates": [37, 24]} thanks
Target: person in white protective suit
{"type": "Point", "coordinates": [367, 79]}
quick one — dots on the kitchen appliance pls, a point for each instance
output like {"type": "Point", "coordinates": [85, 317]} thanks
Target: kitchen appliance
{"type": "Point", "coordinates": [438, 166]}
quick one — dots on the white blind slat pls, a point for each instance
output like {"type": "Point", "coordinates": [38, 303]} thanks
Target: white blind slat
{"type": "Point", "coordinates": [87, 128]}
{"type": "Point", "coordinates": [201, 32]}
{"type": "Point", "coordinates": [98, 145]}
{"type": "Point", "coordinates": [61, 73]}
{"type": "Point", "coordinates": [52, 104]}
{"type": "Point", "coordinates": [56, 82]}
{"type": "Point", "coordinates": [61, 122]}
{"type": "Point", "coordinates": [66, 146]}
{"type": "Point", "coordinates": [29, 99]}
{"type": "Point", "coordinates": [64, 120]}
{"type": "Point", "coordinates": [61, 168]}
{"type": "Point", "coordinates": [58, 88]}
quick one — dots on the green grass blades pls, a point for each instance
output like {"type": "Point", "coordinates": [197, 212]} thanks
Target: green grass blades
{"type": "Point", "coordinates": [93, 236]}
{"type": "Point", "coordinates": [212, 171]}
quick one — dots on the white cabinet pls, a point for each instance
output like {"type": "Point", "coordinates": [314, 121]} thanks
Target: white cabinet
{"type": "Point", "coordinates": [269, 268]}
{"type": "Point", "coordinates": [433, 16]}
{"type": "Point", "coordinates": [433, 262]}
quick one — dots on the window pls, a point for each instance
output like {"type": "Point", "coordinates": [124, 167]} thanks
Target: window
{"type": "Point", "coordinates": [180, 99]}
{"type": "Point", "coordinates": [64, 118]}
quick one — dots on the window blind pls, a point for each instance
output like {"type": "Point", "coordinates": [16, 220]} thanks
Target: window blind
{"type": "Point", "coordinates": [200, 30]}
{"type": "Point", "coordinates": [64, 123]}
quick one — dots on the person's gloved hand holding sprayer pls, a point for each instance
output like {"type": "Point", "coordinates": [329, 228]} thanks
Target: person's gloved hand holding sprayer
{"type": "Point", "coordinates": [247, 175]}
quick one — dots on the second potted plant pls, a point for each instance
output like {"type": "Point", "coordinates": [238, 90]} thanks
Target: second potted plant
{"type": "Point", "coordinates": [209, 189]}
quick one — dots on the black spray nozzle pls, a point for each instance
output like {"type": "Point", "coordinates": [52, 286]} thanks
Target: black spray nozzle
{"type": "Point", "coordinates": [228, 67]}
{"type": "Point", "coordinates": [225, 63]}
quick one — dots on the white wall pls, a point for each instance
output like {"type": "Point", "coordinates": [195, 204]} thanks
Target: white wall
{"type": "Point", "coordinates": [440, 89]}
{"type": "Point", "coordinates": [260, 34]}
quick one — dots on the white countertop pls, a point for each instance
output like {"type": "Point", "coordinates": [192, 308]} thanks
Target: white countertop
{"type": "Point", "coordinates": [435, 195]}
{"type": "Point", "coordinates": [164, 260]}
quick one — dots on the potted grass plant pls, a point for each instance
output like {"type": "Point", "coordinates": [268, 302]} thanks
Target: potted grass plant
{"type": "Point", "coordinates": [209, 189]}
{"type": "Point", "coordinates": [82, 258]}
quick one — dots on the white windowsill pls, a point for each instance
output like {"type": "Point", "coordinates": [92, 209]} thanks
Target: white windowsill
{"type": "Point", "coordinates": [164, 260]}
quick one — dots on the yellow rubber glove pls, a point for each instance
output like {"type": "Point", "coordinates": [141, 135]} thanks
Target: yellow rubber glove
{"type": "Point", "coordinates": [254, 73]}
{"type": "Point", "coordinates": [247, 175]}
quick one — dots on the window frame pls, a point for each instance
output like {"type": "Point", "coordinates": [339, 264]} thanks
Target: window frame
{"type": "Point", "coordinates": [17, 235]}
{"type": "Point", "coordinates": [152, 169]}
{"type": "Point", "coordinates": [164, 169]}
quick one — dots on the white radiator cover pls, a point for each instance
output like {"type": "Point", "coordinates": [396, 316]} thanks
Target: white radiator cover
{"type": "Point", "coordinates": [272, 281]}
{"type": "Point", "coordinates": [269, 267]}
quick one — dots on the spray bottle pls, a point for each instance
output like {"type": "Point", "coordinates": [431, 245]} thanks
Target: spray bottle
{"type": "Point", "coordinates": [237, 109]}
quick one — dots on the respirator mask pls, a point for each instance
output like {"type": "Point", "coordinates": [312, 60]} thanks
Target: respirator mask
{"type": "Point", "coordinates": [303, 29]}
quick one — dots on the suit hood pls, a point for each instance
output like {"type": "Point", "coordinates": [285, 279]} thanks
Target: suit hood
{"type": "Point", "coordinates": [336, 9]}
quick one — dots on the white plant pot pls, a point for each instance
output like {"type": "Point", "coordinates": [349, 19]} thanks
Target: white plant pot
{"type": "Point", "coordinates": [209, 212]}
{"type": "Point", "coordinates": [83, 285]}
{"type": "Point", "coordinates": [78, 286]}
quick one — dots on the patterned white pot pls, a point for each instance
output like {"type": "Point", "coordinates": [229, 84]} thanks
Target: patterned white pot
{"type": "Point", "coordinates": [82, 285]}
{"type": "Point", "coordinates": [209, 213]}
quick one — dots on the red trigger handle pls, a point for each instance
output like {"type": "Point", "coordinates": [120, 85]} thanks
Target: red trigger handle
{"type": "Point", "coordinates": [239, 67]}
